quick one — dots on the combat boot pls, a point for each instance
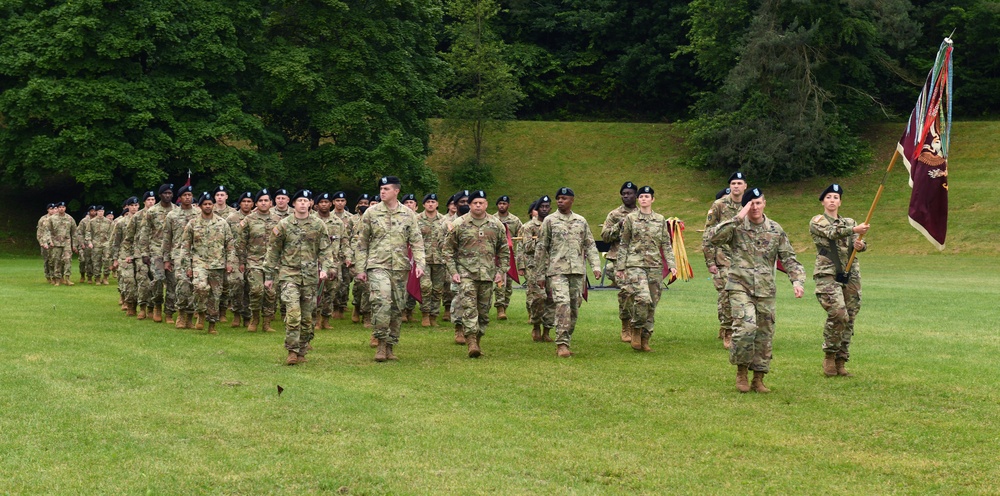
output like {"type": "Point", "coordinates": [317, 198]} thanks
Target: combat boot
{"type": "Point", "coordinates": [545, 335]}
{"type": "Point", "coordinates": [169, 318]}
{"type": "Point", "coordinates": [300, 358]}
{"type": "Point", "coordinates": [157, 313]}
{"type": "Point", "coordinates": [142, 313]}
{"type": "Point", "coordinates": [254, 321]}
{"type": "Point", "coordinates": [130, 309]}
{"type": "Point", "coordinates": [727, 339]}
{"type": "Point", "coordinates": [381, 353]}
{"type": "Point", "coordinates": [636, 338]}
{"type": "Point", "coordinates": [474, 350]}
{"type": "Point", "coordinates": [211, 328]}
{"type": "Point", "coordinates": [501, 313]}
{"type": "Point", "coordinates": [222, 314]}
{"type": "Point", "coordinates": [67, 282]}
{"type": "Point", "coordinates": [459, 334]}
{"type": "Point", "coordinates": [758, 382]}
{"type": "Point", "coordinates": [325, 323]}
{"type": "Point", "coordinates": [645, 342]}
{"type": "Point", "coordinates": [368, 320]}
{"type": "Point", "coordinates": [433, 321]}
{"type": "Point", "coordinates": [742, 385]}
{"type": "Point", "coordinates": [840, 368]}
{"type": "Point", "coordinates": [373, 342]}
{"type": "Point", "coordinates": [104, 281]}
{"type": "Point", "coordinates": [563, 351]}
{"type": "Point", "coordinates": [355, 316]}
{"type": "Point", "coordinates": [266, 326]}
{"type": "Point", "coordinates": [627, 331]}
{"type": "Point", "coordinates": [446, 317]}
{"type": "Point", "coordinates": [389, 355]}
{"type": "Point", "coordinates": [536, 333]}
{"type": "Point", "coordinates": [293, 358]}
{"type": "Point", "coordinates": [236, 321]}
{"type": "Point", "coordinates": [83, 279]}
{"type": "Point", "coordinates": [830, 365]}
{"type": "Point", "coordinates": [188, 320]}
{"type": "Point", "coordinates": [179, 324]}
{"type": "Point", "coordinates": [199, 323]}
{"type": "Point", "coordinates": [722, 332]}
{"type": "Point", "coordinates": [338, 314]}
{"type": "Point", "coordinates": [425, 321]}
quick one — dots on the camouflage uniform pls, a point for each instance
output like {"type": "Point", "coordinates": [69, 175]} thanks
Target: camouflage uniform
{"type": "Point", "coordinates": [361, 297]}
{"type": "Point", "coordinates": [281, 213]}
{"type": "Point", "coordinates": [718, 256]}
{"type": "Point", "coordinates": [144, 277]}
{"type": "Point", "coordinates": [297, 250]}
{"type": "Point", "coordinates": [611, 233]}
{"type": "Point", "coordinates": [842, 302]}
{"type": "Point", "coordinates": [541, 309]}
{"type": "Point", "coordinates": [97, 232]}
{"type": "Point", "coordinates": [643, 238]}
{"type": "Point", "coordinates": [41, 234]}
{"type": "Point", "coordinates": [753, 249]}
{"type": "Point", "coordinates": [207, 248]}
{"type": "Point", "coordinates": [120, 249]}
{"type": "Point", "coordinates": [502, 293]}
{"type": "Point", "coordinates": [177, 220]}
{"type": "Point", "coordinates": [433, 282]}
{"type": "Point", "coordinates": [150, 244]}
{"type": "Point", "coordinates": [476, 250]}
{"type": "Point", "coordinates": [82, 251]}
{"type": "Point", "coordinates": [344, 288]}
{"type": "Point", "coordinates": [564, 242]}
{"type": "Point", "coordinates": [338, 241]}
{"type": "Point", "coordinates": [252, 236]}
{"type": "Point", "coordinates": [237, 292]}
{"type": "Point", "coordinates": [381, 252]}
{"type": "Point", "coordinates": [61, 237]}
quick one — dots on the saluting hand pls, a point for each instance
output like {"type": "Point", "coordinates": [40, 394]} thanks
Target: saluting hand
{"type": "Point", "coordinates": [744, 211]}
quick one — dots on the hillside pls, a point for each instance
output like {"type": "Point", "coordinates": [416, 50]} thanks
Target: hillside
{"type": "Point", "coordinates": [535, 158]}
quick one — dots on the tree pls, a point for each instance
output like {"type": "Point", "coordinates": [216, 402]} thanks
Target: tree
{"type": "Point", "coordinates": [483, 91]}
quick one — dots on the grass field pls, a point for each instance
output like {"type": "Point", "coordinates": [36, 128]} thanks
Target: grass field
{"type": "Point", "coordinates": [95, 403]}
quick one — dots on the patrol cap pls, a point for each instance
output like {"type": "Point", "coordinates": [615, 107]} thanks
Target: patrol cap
{"type": "Point", "coordinates": [751, 194]}
{"type": "Point", "coordinates": [148, 194]}
{"type": "Point", "coordinates": [303, 193]}
{"type": "Point", "coordinates": [221, 189]}
{"type": "Point", "coordinates": [246, 195]}
{"type": "Point", "coordinates": [722, 192]}
{"type": "Point", "coordinates": [738, 176]}
{"type": "Point", "coordinates": [503, 198]}
{"type": "Point", "coordinates": [628, 185]}
{"type": "Point", "coordinates": [339, 195]}
{"type": "Point", "coordinates": [477, 194]}
{"type": "Point", "coordinates": [409, 196]}
{"type": "Point", "coordinates": [388, 180]}
{"type": "Point", "coordinates": [281, 191]}
{"type": "Point", "coordinates": [833, 188]}
{"type": "Point", "coordinates": [185, 189]}
{"type": "Point", "coordinates": [263, 192]}
{"type": "Point", "coordinates": [645, 190]}
{"type": "Point", "coordinates": [164, 188]}
{"type": "Point", "coordinates": [430, 196]}
{"type": "Point", "coordinates": [324, 196]}
{"type": "Point", "coordinates": [544, 199]}
{"type": "Point", "coordinates": [564, 191]}
{"type": "Point", "coordinates": [205, 196]}
{"type": "Point", "coordinates": [365, 196]}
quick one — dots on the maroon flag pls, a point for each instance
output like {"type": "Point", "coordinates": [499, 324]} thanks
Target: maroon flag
{"type": "Point", "coordinates": [412, 281]}
{"type": "Point", "coordinates": [924, 150]}
{"type": "Point", "coordinates": [512, 271]}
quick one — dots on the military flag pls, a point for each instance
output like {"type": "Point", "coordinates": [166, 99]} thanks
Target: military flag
{"type": "Point", "coordinates": [512, 271]}
{"type": "Point", "coordinates": [412, 281]}
{"type": "Point", "coordinates": [924, 150]}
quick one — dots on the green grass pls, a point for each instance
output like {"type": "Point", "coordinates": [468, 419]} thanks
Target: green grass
{"type": "Point", "coordinates": [97, 403]}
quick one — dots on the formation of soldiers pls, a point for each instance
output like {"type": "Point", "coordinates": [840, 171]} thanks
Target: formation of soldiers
{"type": "Point", "coordinates": [188, 261]}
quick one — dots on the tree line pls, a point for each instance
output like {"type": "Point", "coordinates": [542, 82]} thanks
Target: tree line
{"type": "Point", "coordinates": [122, 94]}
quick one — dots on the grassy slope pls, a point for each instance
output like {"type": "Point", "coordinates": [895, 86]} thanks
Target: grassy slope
{"type": "Point", "coordinates": [594, 159]}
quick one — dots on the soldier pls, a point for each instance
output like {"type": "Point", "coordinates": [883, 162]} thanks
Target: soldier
{"type": "Point", "coordinates": [298, 258]}
{"type": "Point", "coordinates": [221, 195]}
{"type": "Point", "coordinates": [717, 258]}
{"type": "Point", "coordinates": [281, 203]}
{"type": "Point", "coordinates": [385, 230]}
{"type": "Point", "coordinates": [541, 309]}
{"type": "Point", "coordinates": [755, 242]}
{"type": "Point", "coordinates": [432, 284]}
{"type": "Point", "coordinates": [360, 287]}
{"type": "Point", "coordinates": [645, 242]}
{"type": "Point", "coordinates": [207, 252]}
{"type": "Point", "coordinates": [120, 251]}
{"type": "Point", "coordinates": [477, 257]}
{"type": "Point", "coordinates": [96, 235]}
{"type": "Point", "coordinates": [343, 288]}
{"type": "Point", "coordinates": [409, 200]}
{"type": "Point", "coordinates": [252, 236]}
{"type": "Point", "coordinates": [143, 271]}
{"type": "Point", "coordinates": [564, 241]}
{"type": "Point", "coordinates": [81, 246]}
{"type": "Point", "coordinates": [611, 233]}
{"type": "Point", "coordinates": [60, 241]}
{"type": "Point", "coordinates": [150, 245]}
{"type": "Point", "coordinates": [237, 292]}
{"type": "Point", "coordinates": [338, 240]}
{"type": "Point", "coordinates": [171, 251]}
{"type": "Point", "coordinates": [41, 234]}
{"type": "Point", "coordinates": [838, 290]}
{"type": "Point", "coordinates": [454, 311]}
{"type": "Point", "coordinates": [513, 224]}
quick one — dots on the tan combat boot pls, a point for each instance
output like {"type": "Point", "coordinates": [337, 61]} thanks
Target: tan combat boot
{"type": "Point", "coordinates": [758, 382]}
{"type": "Point", "coordinates": [425, 321]}
{"type": "Point", "coordinates": [211, 328]}
{"type": "Point", "coordinates": [373, 342]}
{"type": "Point", "coordinates": [179, 323]}
{"type": "Point", "coordinates": [67, 282]}
{"type": "Point", "coordinates": [326, 322]}
{"type": "Point", "coordinates": [188, 320]}
{"type": "Point", "coordinates": [841, 370]}
{"type": "Point", "coordinates": [368, 320]}
{"type": "Point", "coordinates": [130, 309]}
{"type": "Point", "coordinates": [474, 350]}
{"type": "Point", "coordinates": [563, 351]}
{"type": "Point", "coordinates": [459, 334]}
{"type": "Point", "coordinates": [727, 339]}
{"type": "Point", "coordinates": [222, 314]}
{"type": "Point", "coordinates": [627, 331]}
{"type": "Point", "coordinates": [236, 321]}
{"type": "Point", "coordinates": [830, 365]}
{"type": "Point", "coordinates": [199, 322]}
{"type": "Point", "coordinates": [355, 316]}
{"type": "Point", "coordinates": [742, 384]}
{"type": "Point", "coordinates": [636, 339]}
{"type": "Point", "coordinates": [338, 314]}
{"type": "Point", "coordinates": [292, 359]}
{"type": "Point", "coordinates": [433, 321]}
{"type": "Point", "coordinates": [381, 353]}
{"type": "Point", "coordinates": [645, 342]}
{"type": "Point", "coordinates": [446, 317]}
{"type": "Point", "coordinates": [501, 313]}
{"type": "Point", "coordinates": [389, 355]}
{"type": "Point", "coordinates": [142, 313]}
{"type": "Point", "coordinates": [169, 318]}
{"type": "Point", "coordinates": [254, 321]}
{"type": "Point", "coordinates": [536, 332]}
{"type": "Point", "coordinates": [266, 326]}
{"type": "Point", "coordinates": [157, 313]}
{"type": "Point", "coordinates": [545, 335]}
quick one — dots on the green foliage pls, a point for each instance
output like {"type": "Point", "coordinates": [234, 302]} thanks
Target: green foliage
{"type": "Point", "coordinates": [470, 175]}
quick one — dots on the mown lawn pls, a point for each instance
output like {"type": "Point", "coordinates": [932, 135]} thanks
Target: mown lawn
{"type": "Point", "coordinates": [100, 404]}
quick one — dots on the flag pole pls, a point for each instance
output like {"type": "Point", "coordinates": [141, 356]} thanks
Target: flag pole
{"type": "Point", "coordinates": [878, 194]}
